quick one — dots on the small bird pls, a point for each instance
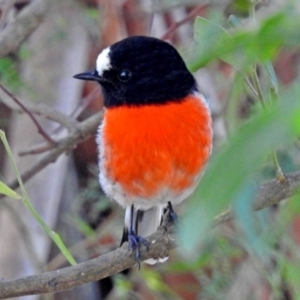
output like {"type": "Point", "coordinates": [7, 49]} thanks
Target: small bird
{"type": "Point", "coordinates": [156, 133]}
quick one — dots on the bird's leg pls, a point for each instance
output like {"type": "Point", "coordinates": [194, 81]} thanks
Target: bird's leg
{"type": "Point", "coordinates": [172, 214]}
{"type": "Point", "coordinates": [135, 240]}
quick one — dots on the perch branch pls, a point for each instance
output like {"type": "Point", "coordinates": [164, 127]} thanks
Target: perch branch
{"type": "Point", "coordinates": [95, 269]}
{"type": "Point", "coordinates": [268, 194]}
{"type": "Point", "coordinates": [161, 242]}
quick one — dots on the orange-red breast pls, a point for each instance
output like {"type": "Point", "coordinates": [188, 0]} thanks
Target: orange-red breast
{"type": "Point", "coordinates": [156, 133]}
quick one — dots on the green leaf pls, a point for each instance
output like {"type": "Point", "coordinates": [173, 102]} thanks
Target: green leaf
{"type": "Point", "coordinates": [236, 163]}
{"type": "Point", "coordinates": [82, 226]}
{"type": "Point", "coordinates": [9, 73]}
{"type": "Point", "coordinates": [5, 190]}
{"type": "Point", "coordinates": [291, 274]}
{"type": "Point", "coordinates": [272, 75]}
{"type": "Point", "coordinates": [243, 46]}
{"type": "Point", "coordinates": [234, 21]}
{"type": "Point", "coordinates": [209, 38]}
{"type": "Point", "coordinates": [54, 236]}
{"type": "Point", "coordinates": [248, 220]}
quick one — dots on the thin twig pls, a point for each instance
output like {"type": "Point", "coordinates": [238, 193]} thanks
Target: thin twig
{"type": "Point", "coordinates": [36, 149]}
{"type": "Point", "coordinates": [171, 30]}
{"type": "Point", "coordinates": [257, 87]}
{"type": "Point", "coordinates": [47, 112]}
{"type": "Point", "coordinates": [90, 242]}
{"type": "Point", "coordinates": [261, 99]}
{"type": "Point", "coordinates": [54, 115]}
{"type": "Point", "coordinates": [251, 87]}
{"type": "Point", "coordinates": [81, 132]}
{"type": "Point", "coordinates": [64, 120]}
{"type": "Point", "coordinates": [29, 113]}
{"type": "Point", "coordinates": [23, 230]}
{"type": "Point", "coordinates": [85, 102]}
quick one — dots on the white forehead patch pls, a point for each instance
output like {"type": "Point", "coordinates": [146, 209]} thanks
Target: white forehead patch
{"type": "Point", "coordinates": [103, 61]}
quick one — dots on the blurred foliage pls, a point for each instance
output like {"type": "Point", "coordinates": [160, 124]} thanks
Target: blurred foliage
{"type": "Point", "coordinates": [242, 47]}
{"type": "Point", "coordinates": [232, 167]}
{"type": "Point", "coordinates": [9, 73]}
{"type": "Point", "coordinates": [250, 46]}
{"type": "Point", "coordinates": [94, 207]}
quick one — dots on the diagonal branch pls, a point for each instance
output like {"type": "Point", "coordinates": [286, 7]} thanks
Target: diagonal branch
{"type": "Point", "coordinates": [29, 113]}
{"type": "Point", "coordinates": [269, 193]}
{"type": "Point", "coordinates": [161, 242]}
{"type": "Point", "coordinates": [82, 131]}
{"type": "Point", "coordinates": [23, 25]}
{"type": "Point", "coordinates": [174, 27]}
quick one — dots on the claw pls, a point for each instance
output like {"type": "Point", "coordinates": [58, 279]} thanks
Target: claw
{"type": "Point", "coordinates": [135, 242]}
{"type": "Point", "coordinates": [171, 213]}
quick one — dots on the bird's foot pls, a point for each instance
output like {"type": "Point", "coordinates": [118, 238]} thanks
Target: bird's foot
{"type": "Point", "coordinates": [135, 242]}
{"type": "Point", "coordinates": [171, 213]}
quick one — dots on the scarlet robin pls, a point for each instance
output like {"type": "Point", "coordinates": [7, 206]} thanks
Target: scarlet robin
{"type": "Point", "coordinates": [155, 137]}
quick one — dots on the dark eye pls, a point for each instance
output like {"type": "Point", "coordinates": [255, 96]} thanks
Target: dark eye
{"type": "Point", "coordinates": [124, 75]}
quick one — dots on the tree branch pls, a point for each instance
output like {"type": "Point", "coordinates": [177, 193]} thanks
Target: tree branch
{"type": "Point", "coordinates": [83, 130]}
{"type": "Point", "coordinates": [29, 113]}
{"type": "Point", "coordinates": [23, 25]}
{"type": "Point", "coordinates": [161, 242]}
{"type": "Point", "coordinates": [268, 194]}
{"type": "Point", "coordinates": [176, 25]}
{"type": "Point", "coordinates": [95, 269]}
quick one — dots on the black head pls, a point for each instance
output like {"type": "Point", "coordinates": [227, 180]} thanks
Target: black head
{"type": "Point", "coordinates": [141, 70]}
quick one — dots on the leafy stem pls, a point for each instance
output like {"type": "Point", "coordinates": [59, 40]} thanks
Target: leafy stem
{"type": "Point", "coordinates": [54, 236]}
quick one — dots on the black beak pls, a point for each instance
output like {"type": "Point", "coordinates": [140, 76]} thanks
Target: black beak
{"type": "Point", "coordinates": [92, 76]}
